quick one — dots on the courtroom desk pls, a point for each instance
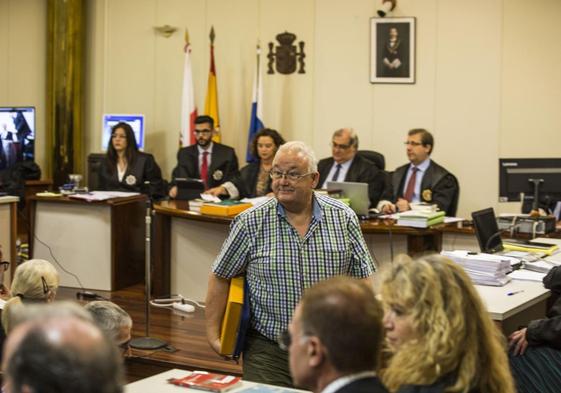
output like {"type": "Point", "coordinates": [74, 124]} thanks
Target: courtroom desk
{"type": "Point", "coordinates": [8, 233]}
{"type": "Point", "coordinates": [31, 188]}
{"type": "Point", "coordinates": [186, 244]}
{"type": "Point", "coordinates": [100, 242]}
{"type": "Point", "coordinates": [512, 312]}
{"type": "Point", "coordinates": [158, 383]}
{"type": "Point", "coordinates": [456, 237]}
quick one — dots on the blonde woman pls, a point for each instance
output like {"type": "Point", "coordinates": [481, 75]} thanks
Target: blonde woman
{"type": "Point", "coordinates": [438, 333]}
{"type": "Point", "coordinates": [35, 281]}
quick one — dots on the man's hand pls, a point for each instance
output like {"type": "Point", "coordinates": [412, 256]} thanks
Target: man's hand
{"type": "Point", "coordinates": [173, 192]}
{"type": "Point", "coordinates": [517, 342]}
{"type": "Point", "coordinates": [402, 205]}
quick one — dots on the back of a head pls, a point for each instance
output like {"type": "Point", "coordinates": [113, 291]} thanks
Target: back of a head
{"type": "Point", "coordinates": [34, 281]}
{"type": "Point", "coordinates": [345, 315]}
{"type": "Point", "coordinates": [63, 355]}
{"type": "Point", "coordinates": [454, 334]}
{"type": "Point", "coordinates": [109, 317]}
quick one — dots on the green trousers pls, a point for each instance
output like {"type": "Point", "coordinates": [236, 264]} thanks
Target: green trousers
{"type": "Point", "coordinates": [265, 362]}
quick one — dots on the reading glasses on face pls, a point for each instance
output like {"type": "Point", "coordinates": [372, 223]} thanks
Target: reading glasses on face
{"type": "Point", "coordinates": [277, 175]}
{"type": "Point", "coordinates": [203, 132]}
{"type": "Point", "coordinates": [412, 143]}
{"type": "Point", "coordinates": [339, 146]}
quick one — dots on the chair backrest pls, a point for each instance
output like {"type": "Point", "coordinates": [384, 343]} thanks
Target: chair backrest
{"type": "Point", "coordinates": [377, 158]}
{"type": "Point", "coordinates": [455, 199]}
{"type": "Point", "coordinates": [94, 165]}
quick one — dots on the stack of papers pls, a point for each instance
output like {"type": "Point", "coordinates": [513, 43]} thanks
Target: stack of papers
{"type": "Point", "coordinates": [102, 195]}
{"type": "Point", "coordinates": [420, 218]}
{"type": "Point", "coordinates": [483, 269]}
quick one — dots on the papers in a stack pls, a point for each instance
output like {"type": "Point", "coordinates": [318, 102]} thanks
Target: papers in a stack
{"type": "Point", "coordinates": [483, 269]}
{"type": "Point", "coordinates": [420, 218]}
{"type": "Point", "coordinates": [530, 246]}
{"type": "Point", "coordinates": [542, 266]}
{"type": "Point", "coordinates": [102, 195]}
{"type": "Point", "coordinates": [195, 205]}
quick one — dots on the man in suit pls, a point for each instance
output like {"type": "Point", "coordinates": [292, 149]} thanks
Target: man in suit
{"type": "Point", "coordinates": [335, 338]}
{"type": "Point", "coordinates": [209, 161]}
{"type": "Point", "coordinates": [421, 180]}
{"type": "Point", "coordinates": [346, 165]}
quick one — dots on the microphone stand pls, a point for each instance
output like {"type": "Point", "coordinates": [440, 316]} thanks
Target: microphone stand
{"type": "Point", "coordinates": [147, 342]}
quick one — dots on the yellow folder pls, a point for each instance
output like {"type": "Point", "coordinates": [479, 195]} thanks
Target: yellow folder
{"type": "Point", "coordinates": [232, 317]}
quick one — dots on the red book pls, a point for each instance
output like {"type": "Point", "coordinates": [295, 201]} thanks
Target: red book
{"type": "Point", "coordinates": [210, 382]}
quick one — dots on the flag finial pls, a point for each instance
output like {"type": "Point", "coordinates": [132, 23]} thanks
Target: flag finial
{"type": "Point", "coordinates": [187, 37]}
{"type": "Point", "coordinates": [212, 35]}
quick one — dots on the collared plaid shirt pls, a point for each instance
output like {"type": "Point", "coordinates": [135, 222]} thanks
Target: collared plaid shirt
{"type": "Point", "coordinates": [279, 264]}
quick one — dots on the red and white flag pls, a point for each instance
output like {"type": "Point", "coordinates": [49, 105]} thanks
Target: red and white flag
{"type": "Point", "coordinates": [188, 106]}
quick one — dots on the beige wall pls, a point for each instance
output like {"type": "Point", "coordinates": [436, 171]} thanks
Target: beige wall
{"type": "Point", "coordinates": [488, 82]}
{"type": "Point", "coordinates": [23, 61]}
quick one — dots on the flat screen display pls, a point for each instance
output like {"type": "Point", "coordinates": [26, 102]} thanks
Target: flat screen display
{"type": "Point", "coordinates": [17, 135]}
{"type": "Point", "coordinates": [135, 121]}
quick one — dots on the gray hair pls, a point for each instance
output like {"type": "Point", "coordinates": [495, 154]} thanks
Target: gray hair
{"type": "Point", "coordinates": [109, 317]}
{"type": "Point", "coordinates": [352, 135]}
{"type": "Point", "coordinates": [302, 150]}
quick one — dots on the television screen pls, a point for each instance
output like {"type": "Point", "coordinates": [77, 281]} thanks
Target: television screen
{"type": "Point", "coordinates": [17, 135]}
{"type": "Point", "coordinates": [135, 121]}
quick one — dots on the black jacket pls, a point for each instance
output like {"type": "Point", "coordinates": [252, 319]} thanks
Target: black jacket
{"type": "Point", "coordinates": [223, 164]}
{"type": "Point", "coordinates": [364, 385]}
{"type": "Point", "coordinates": [143, 168]}
{"type": "Point", "coordinates": [438, 186]}
{"type": "Point", "coordinates": [246, 181]}
{"type": "Point", "coordinates": [360, 171]}
{"type": "Point", "coordinates": [548, 331]}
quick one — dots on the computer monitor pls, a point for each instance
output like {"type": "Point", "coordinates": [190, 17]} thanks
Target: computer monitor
{"type": "Point", "coordinates": [17, 135]}
{"type": "Point", "coordinates": [135, 121]}
{"type": "Point", "coordinates": [487, 230]}
{"type": "Point", "coordinates": [532, 177]}
{"type": "Point", "coordinates": [356, 192]}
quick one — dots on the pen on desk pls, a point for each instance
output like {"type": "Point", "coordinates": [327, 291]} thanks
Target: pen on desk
{"type": "Point", "coordinates": [514, 293]}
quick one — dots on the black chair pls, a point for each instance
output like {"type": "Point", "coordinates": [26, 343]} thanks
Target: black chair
{"type": "Point", "coordinates": [94, 166]}
{"type": "Point", "coordinates": [455, 199]}
{"type": "Point", "coordinates": [377, 158]}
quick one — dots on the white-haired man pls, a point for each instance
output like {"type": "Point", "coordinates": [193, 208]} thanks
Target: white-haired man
{"type": "Point", "coordinates": [282, 247]}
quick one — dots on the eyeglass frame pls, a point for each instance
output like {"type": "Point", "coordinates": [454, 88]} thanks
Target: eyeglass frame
{"type": "Point", "coordinates": [340, 146]}
{"type": "Point", "coordinates": [413, 143]}
{"type": "Point", "coordinates": [206, 131]}
{"type": "Point", "coordinates": [4, 265]}
{"type": "Point", "coordinates": [278, 175]}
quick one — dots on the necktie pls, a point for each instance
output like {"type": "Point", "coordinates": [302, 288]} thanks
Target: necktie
{"type": "Point", "coordinates": [336, 174]}
{"type": "Point", "coordinates": [410, 189]}
{"type": "Point", "coordinates": [204, 169]}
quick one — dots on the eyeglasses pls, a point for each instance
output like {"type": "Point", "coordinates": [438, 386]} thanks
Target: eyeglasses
{"type": "Point", "coordinates": [125, 348]}
{"type": "Point", "coordinates": [4, 265]}
{"type": "Point", "coordinates": [277, 175]}
{"type": "Point", "coordinates": [339, 146]}
{"type": "Point", "coordinates": [203, 132]}
{"type": "Point", "coordinates": [45, 285]}
{"type": "Point", "coordinates": [412, 143]}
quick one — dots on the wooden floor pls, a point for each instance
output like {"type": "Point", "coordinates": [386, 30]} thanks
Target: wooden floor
{"type": "Point", "coordinates": [185, 333]}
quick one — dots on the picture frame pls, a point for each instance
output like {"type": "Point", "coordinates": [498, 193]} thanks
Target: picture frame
{"type": "Point", "coordinates": [392, 50]}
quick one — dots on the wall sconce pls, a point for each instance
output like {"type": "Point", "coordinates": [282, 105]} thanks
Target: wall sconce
{"type": "Point", "coordinates": [386, 7]}
{"type": "Point", "coordinates": [165, 30]}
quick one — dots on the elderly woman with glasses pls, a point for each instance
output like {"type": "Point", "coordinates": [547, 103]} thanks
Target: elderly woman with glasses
{"type": "Point", "coordinates": [35, 281]}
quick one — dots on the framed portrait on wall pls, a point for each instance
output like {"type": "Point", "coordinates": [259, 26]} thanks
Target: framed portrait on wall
{"type": "Point", "coordinates": [392, 50]}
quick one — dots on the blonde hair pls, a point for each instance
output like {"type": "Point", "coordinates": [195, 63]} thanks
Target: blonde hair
{"type": "Point", "coordinates": [35, 280]}
{"type": "Point", "coordinates": [456, 338]}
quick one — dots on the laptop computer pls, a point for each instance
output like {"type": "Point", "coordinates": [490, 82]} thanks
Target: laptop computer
{"type": "Point", "coordinates": [356, 192]}
{"type": "Point", "coordinates": [188, 189]}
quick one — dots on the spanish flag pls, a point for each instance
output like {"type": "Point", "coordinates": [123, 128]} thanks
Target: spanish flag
{"type": "Point", "coordinates": [211, 102]}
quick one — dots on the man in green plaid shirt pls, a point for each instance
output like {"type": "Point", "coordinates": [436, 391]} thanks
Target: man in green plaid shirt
{"type": "Point", "coordinates": [283, 247]}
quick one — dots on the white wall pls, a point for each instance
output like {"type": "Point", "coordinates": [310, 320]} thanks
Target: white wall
{"type": "Point", "coordinates": [488, 81]}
